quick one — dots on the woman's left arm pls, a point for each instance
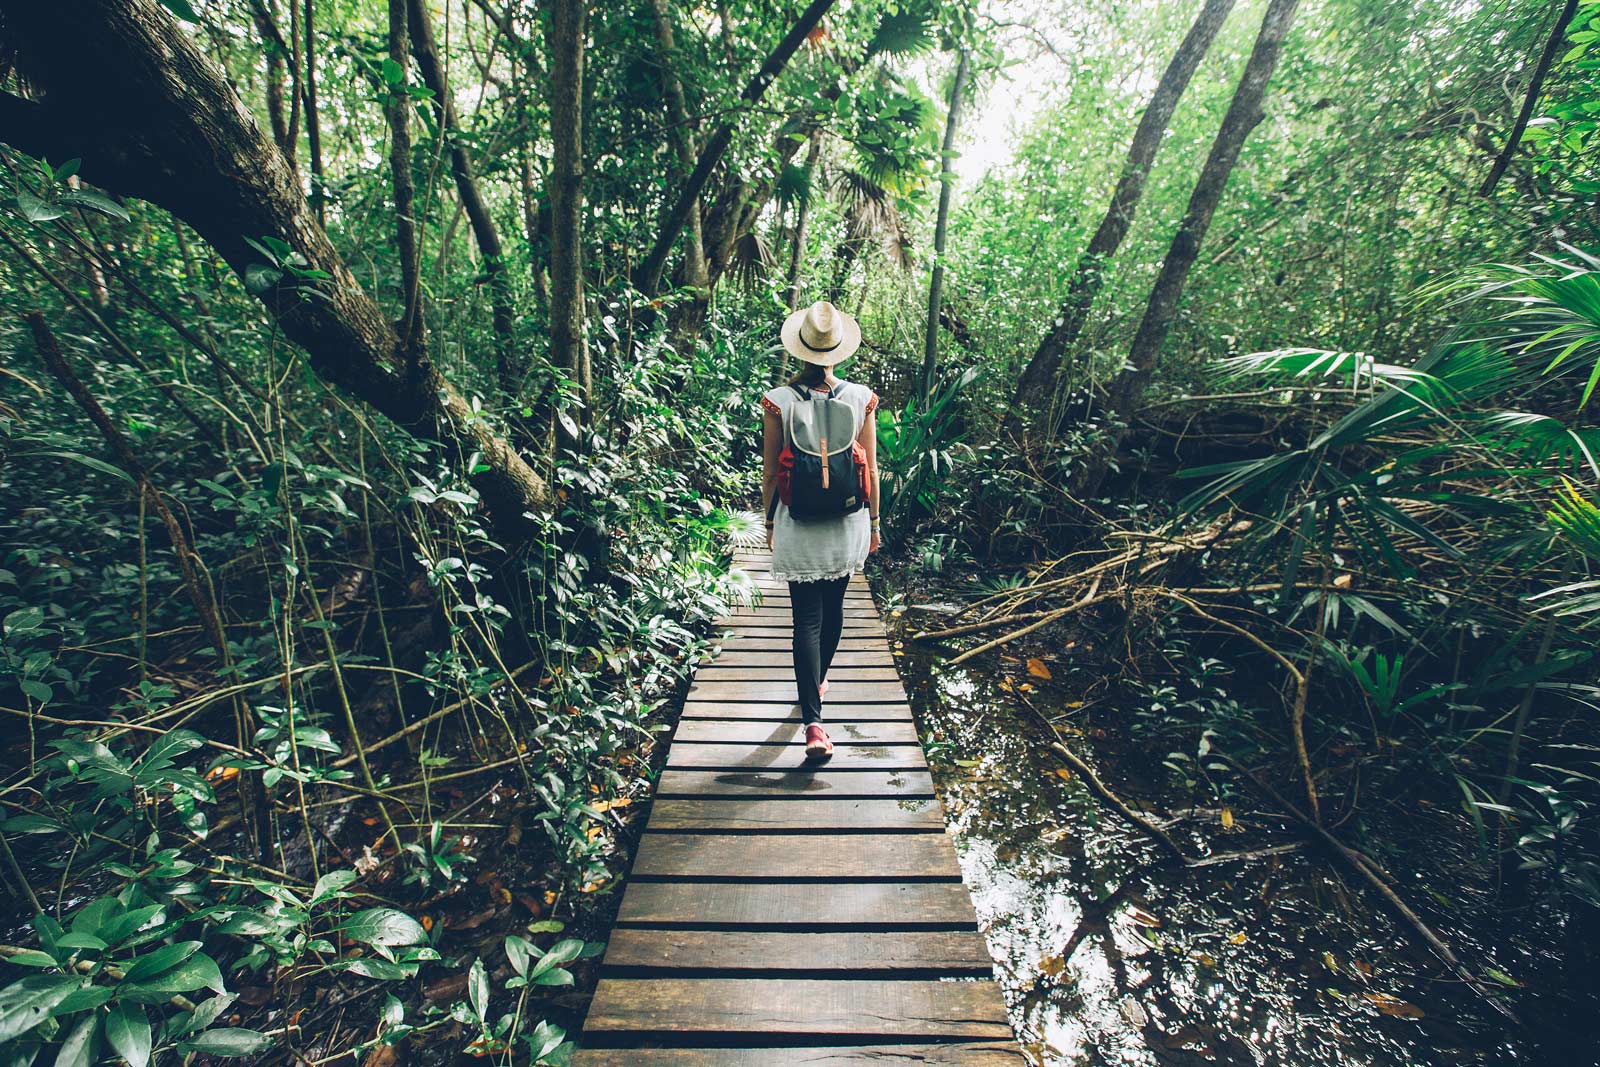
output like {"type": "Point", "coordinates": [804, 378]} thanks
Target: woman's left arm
{"type": "Point", "coordinates": [771, 447]}
{"type": "Point", "coordinates": [868, 437]}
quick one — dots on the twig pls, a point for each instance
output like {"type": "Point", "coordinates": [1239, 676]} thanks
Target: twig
{"type": "Point", "coordinates": [1116, 802]}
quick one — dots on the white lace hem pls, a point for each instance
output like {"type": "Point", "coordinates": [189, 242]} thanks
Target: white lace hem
{"type": "Point", "coordinates": [812, 576]}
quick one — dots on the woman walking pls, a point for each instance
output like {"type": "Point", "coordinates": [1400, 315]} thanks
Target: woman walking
{"type": "Point", "coordinates": [820, 494]}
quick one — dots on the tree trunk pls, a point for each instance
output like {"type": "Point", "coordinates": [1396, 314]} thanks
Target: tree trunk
{"type": "Point", "coordinates": [535, 229]}
{"type": "Point", "coordinates": [677, 215]}
{"type": "Point", "coordinates": [1037, 383]}
{"type": "Point", "coordinates": [397, 108]}
{"type": "Point", "coordinates": [566, 52]}
{"type": "Point", "coordinates": [1552, 45]}
{"type": "Point", "coordinates": [319, 191]}
{"type": "Point", "coordinates": [277, 52]}
{"type": "Point", "coordinates": [679, 133]}
{"type": "Point", "coordinates": [1243, 114]}
{"type": "Point", "coordinates": [947, 182]}
{"type": "Point", "coordinates": [483, 228]}
{"type": "Point", "coordinates": [801, 215]}
{"type": "Point", "coordinates": [132, 96]}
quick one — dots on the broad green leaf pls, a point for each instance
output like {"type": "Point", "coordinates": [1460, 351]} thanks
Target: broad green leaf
{"type": "Point", "coordinates": [383, 926]}
{"type": "Point", "coordinates": [26, 1004]}
{"type": "Point", "coordinates": [81, 1043]}
{"type": "Point", "coordinates": [331, 884]}
{"type": "Point", "coordinates": [181, 9]}
{"type": "Point", "coordinates": [34, 209]}
{"type": "Point", "coordinates": [229, 1041]}
{"type": "Point", "coordinates": [381, 969]}
{"type": "Point", "coordinates": [104, 205]}
{"type": "Point", "coordinates": [128, 1032]}
{"type": "Point", "coordinates": [478, 989]}
{"type": "Point", "coordinates": [160, 961]}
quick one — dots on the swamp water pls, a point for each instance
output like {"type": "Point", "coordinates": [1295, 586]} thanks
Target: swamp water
{"type": "Point", "coordinates": [1108, 955]}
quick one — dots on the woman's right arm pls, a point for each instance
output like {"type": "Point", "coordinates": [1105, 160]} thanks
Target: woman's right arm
{"type": "Point", "coordinates": [771, 446]}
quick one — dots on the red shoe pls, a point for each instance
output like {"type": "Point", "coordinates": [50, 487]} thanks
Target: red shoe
{"type": "Point", "coordinates": [818, 744]}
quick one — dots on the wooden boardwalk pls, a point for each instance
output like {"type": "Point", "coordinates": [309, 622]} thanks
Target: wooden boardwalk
{"type": "Point", "coordinates": [783, 914]}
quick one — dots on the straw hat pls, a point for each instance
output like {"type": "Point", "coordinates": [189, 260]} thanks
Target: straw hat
{"type": "Point", "coordinates": [821, 334]}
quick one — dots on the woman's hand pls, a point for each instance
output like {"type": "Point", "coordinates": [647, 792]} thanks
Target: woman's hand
{"type": "Point", "coordinates": [769, 539]}
{"type": "Point", "coordinates": [872, 546]}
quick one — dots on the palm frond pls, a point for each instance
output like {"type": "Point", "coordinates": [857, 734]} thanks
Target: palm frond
{"type": "Point", "coordinates": [866, 204]}
{"type": "Point", "coordinates": [1546, 315]}
{"type": "Point", "coordinates": [1538, 439]}
{"type": "Point", "coordinates": [1578, 519]}
{"type": "Point", "coordinates": [752, 259]}
{"type": "Point", "coordinates": [793, 185]}
{"type": "Point", "coordinates": [903, 33]}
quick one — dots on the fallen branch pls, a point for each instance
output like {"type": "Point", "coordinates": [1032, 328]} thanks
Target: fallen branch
{"type": "Point", "coordinates": [1116, 802]}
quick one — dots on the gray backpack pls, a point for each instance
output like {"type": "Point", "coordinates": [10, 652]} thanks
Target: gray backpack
{"type": "Point", "coordinates": [822, 471]}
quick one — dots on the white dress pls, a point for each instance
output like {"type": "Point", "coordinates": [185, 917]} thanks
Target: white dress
{"type": "Point", "coordinates": [816, 551]}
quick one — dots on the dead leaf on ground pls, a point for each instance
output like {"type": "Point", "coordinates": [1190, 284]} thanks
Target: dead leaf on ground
{"type": "Point", "coordinates": [1227, 818]}
{"type": "Point", "coordinates": [1394, 1006]}
{"type": "Point", "coordinates": [1052, 965]}
{"type": "Point", "coordinates": [383, 1056]}
{"type": "Point", "coordinates": [1037, 668]}
{"type": "Point", "coordinates": [446, 988]}
{"type": "Point", "coordinates": [472, 922]}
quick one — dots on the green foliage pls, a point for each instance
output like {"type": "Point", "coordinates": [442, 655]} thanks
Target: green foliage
{"type": "Point", "coordinates": [918, 451]}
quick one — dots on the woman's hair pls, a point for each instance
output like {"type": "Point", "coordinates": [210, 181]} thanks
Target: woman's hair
{"type": "Point", "coordinates": [810, 374]}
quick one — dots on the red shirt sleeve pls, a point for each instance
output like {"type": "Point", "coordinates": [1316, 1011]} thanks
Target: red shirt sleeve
{"type": "Point", "coordinates": [768, 406]}
{"type": "Point", "coordinates": [872, 404]}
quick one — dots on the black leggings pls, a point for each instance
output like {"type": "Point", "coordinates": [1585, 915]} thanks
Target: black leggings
{"type": "Point", "coordinates": [818, 619]}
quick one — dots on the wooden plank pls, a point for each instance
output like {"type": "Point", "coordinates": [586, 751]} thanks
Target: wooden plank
{"type": "Point", "coordinates": [784, 623]}
{"type": "Point", "coordinates": [778, 782]}
{"type": "Point", "coordinates": [780, 595]}
{"type": "Point", "coordinates": [786, 814]}
{"type": "Point", "coordinates": [942, 904]}
{"type": "Point", "coordinates": [865, 1008]}
{"type": "Point", "coordinates": [716, 672]}
{"type": "Point", "coordinates": [713, 709]}
{"type": "Point", "coordinates": [782, 692]}
{"type": "Point", "coordinates": [693, 756]}
{"type": "Point", "coordinates": [765, 950]}
{"type": "Point", "coordinates": [852, 614]}
{"type": "Point", "coordinates": [790, 732]}
{"type": "Point", "coordinates": [1000, 1053]}
{"type": "Point", "coordinates": [781, 643]}
{"type": "Point", "coordinates": [896, 856]}
{"type": "Point", "coordinates": [844, 657]}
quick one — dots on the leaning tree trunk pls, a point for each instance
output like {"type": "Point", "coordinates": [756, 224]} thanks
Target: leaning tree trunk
{"type": "Point", "coordinates": [397, 109]}
{"type": "Point", "coordinates": [947, 183]}
{"type": "Point", "coordinates": [1552, 45]}
{"type": "Point", "coordinates": [128, 92]}
{"type": "Point", "coordinates": [484, 232]}
{"type": "Point", "coordinates": [679, 133]}
{"type": "Point", "coordinates": [319, 188]}
{"type": "Point", "coordinates": [802, 215]}
{"type": "Point", "coordinates": [567, 29]}
{"type": "Point", "coordinates": [277, 52]}
{"type": "Point", "coordinates": [1243, 115]}
{"type": "Point", "coordinates": [1037, 383]}
{"type": "Point", "coordinates": [677, 215]}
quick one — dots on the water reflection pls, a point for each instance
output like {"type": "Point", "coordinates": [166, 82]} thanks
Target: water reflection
{"type": "Point", "coordinates": [1107, 956]}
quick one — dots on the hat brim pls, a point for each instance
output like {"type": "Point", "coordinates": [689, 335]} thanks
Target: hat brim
{"type": "Point", "coordinates": [849, 327]}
